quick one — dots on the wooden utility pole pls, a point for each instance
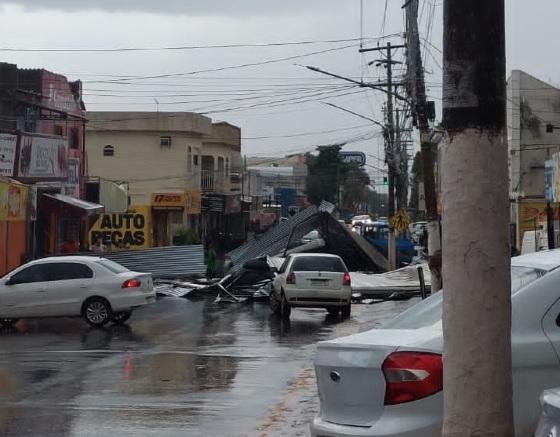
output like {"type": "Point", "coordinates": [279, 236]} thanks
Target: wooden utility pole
{"type": "Point", "coordinates": [418, 91]}
{"type": "Point", "coordinates": [476, 266]}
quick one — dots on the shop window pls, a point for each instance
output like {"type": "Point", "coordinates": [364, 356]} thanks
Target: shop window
{"type": "Point", "coordinates": [108, 150]}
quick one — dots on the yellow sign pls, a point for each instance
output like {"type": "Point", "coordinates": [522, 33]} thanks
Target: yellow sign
{"type": "Point", "coordinates": [168, 200]}
{"type": "Point", "coordinates": [400, 220]}
{"type": "Point", "coordinates": [13, 202]}
{"type": "Point", "coordinates": [194, 202]}
{"type": "Point", "coordinates": [130, 230]}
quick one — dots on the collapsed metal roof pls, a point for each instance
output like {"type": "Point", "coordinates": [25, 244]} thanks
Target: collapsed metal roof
{"type": "Point", "coordinates": [336, 238]}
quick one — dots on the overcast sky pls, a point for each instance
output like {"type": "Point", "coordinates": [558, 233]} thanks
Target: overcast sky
{"type": "Point", "coordinates": [277, 100]}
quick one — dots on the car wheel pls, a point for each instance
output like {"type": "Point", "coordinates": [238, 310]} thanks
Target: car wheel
{"type": "Point", "coordinates": [97, 311]}
{"type": "Point", "coordinates": [285, 308]}
{"type": "Point", "coordinates": [8, 322]}
{"type": "Point", "coordinates": [333, 311]}
{"type": "Point", "coordinates": [274, 303]}
{"type": "Point", "coordinates": [121, 316]}
{"type": "Point", "coordinates": [345, 312]}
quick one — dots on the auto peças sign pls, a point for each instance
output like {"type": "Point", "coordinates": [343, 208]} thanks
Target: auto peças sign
{"type": "Point", "coordinates": [122, 231]}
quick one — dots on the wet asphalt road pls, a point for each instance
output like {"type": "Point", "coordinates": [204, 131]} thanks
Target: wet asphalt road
{"type": "Point", "coordinates": [178, 368]}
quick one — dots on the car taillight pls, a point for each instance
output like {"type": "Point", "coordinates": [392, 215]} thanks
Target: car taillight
{"type": "Point", "coordinates": [411, 376]}
{"type": "Point", "coordinates": [346, 280]}
{"type": "Point", "coordinates": [131, 283]}
{"type": "Point", "coordinates": [291, 278]}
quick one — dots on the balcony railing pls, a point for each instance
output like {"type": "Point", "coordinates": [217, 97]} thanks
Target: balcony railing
{"type": "Point", "coordinates": [212, 180]}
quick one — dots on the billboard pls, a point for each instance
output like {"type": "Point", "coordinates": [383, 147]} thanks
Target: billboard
{"type": "Point", "coordinates": [43, 158]}
{"type": "Point", "coordinates": [358, 158]}
{"type": "Point", "coordinates": [8, 145]}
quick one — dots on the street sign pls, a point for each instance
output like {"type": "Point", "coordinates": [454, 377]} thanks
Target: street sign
{"type": "Point", "coordinates": [358, 158]}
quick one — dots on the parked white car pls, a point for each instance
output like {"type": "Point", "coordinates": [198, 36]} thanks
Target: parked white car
{"type": "Point", "coordinates": [364, 219]}
{"type": "Point", "coordinates": [95, 288]}
{"type": "Point", "coordinates": [312, 280]}
{"type": "Point", "coordinates": [388, 382]}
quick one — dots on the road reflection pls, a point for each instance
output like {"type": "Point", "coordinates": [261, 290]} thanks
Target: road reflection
{"type": "Point", "coordinates": [177, 368]}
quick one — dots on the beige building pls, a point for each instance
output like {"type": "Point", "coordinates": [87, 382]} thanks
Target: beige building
{"type": "Point", "coordinates": [533, 136]}
{"type": "Point", "coordinates": [171, 162]}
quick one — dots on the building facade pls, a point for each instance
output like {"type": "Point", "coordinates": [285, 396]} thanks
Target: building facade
{"type": "Point", "coordinates": [276, 187]}
{"type": "Point", "coordinates": [533, 112]}
{"type": "Point", "coordinates": [180, 170]}
{"type": "Point", "coordinates": [42, 120]}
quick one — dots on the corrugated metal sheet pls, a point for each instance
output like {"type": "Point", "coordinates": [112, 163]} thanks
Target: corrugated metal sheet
{"type": "Point", "coordinates": [163, 262]}
{"type": "Point", "coordinates": [271, 243]}
{"type": "Point", "coordinates": [358, 254]}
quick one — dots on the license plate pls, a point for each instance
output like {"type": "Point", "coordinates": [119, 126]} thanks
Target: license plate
{"type": "Point", "coordinates": [320, 282]}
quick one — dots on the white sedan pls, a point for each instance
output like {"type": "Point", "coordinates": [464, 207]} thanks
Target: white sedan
{"type": "Point", "coordinates": [388, 382]}
{"type": "Point", "coordinates": [317, 280]}
{"type": "Point", "coordinates": [95, 288]}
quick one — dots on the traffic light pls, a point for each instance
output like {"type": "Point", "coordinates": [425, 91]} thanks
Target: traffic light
{"type": "Point", "coordinates": [385, 180]}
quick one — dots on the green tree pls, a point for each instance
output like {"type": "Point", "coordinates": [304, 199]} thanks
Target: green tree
{"type": "Point", "coordinates": [355, 189]}
{"type": "Point", "coordinates": [323, 175]}
{"type": "Point", "coordinates": [327, 173]}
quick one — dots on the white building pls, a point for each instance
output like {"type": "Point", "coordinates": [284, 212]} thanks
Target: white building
{"type": "Point", "coordinates": [533, 115]}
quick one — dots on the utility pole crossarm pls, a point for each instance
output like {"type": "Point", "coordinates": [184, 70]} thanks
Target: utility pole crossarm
{"type": "Point", "coordinates": [376, 49]}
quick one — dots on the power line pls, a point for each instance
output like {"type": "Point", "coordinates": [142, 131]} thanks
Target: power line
{"type": "Point", "coordinates": [229, 67]}
{"type": "Point", "coordinates": [239, 99]}
{"type": "Point", "coordinates": [187, 47]}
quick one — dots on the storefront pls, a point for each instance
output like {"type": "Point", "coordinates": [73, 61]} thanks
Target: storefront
{"type": "Point", "coordinates": [531, 216]}
{"type": "Point", "coordinates": [168, 211]}
{"type": "Point", "coordinates": [62, 223]}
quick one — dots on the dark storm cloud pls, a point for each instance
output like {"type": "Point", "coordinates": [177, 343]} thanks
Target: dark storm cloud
{"type": "Point", "coordinates": [187, 7]}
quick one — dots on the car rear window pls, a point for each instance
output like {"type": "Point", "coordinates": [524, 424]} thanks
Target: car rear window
{"type": "Point", "coordinates": [318, 264]}
{"type": "Point", "coordinates": [112, 266]}
{"type": "Point", "coordinates": [429, 311]}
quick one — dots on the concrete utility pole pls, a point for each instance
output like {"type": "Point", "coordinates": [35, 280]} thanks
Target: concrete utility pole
{"type": "Point", "coordinates": [401, 158]}
{"type": "Point", "coordinates": [418, 91]}
{"type": "Point", "coordinates": [390, 153]}
{"type": "Point", "coordinates": [476, 266]}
